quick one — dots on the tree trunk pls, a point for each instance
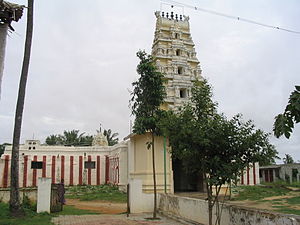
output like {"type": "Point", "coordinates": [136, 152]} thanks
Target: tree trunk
{"type": "Point", "coordinates": [210, 205]}
{"type": "Point", "coordinates": [14, 204]}
{"type": "Point", "coordinates": [209, 199]}
{"type": "Point", "coordinates": [3, 35]}
{"type": "Point", "coordinates": [154, 178]}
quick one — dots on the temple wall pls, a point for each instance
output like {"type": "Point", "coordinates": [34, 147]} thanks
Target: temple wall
{"type": "Point", "coordinates": [66, 163]}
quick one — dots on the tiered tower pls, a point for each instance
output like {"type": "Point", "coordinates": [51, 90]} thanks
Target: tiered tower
{"type": "Point", "coordinates": [175, 56]}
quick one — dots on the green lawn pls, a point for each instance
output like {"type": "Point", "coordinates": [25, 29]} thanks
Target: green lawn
{"type": "Point", "coordinates": [102, 192]}
{"type": "Point", "coordinates": [33, 218]}
{"type": "Point", "coordinates": [260, 192]}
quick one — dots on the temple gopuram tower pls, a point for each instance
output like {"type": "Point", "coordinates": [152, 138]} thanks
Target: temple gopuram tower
{"type": "Point", "coordinates": [175, 55]}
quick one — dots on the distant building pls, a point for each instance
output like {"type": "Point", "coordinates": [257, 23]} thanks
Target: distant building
{"type": "Point", "coordinates": [285, 172]}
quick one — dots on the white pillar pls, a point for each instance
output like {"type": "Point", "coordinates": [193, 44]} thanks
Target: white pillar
{"type": "Point", "coordinates": [44, 195]}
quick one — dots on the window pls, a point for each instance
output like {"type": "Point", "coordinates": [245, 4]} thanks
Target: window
{"type": "Point", "coordinates": [178, 52]}
{"type": "Point", "coordinates": [36, 165]}
{"type": "Point", "coordinates": [176, 36]}
{"type": "Point", "coordinates": [183, 93]}
{"type": "Point", "coordinates": [180, 70]}
{"type": "Point", "coordinates": [89, 165]}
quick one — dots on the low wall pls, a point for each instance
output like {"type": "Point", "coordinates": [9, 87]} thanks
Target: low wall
{"type": "Point", "coordinates": [196, 210]}
{"type": "Point", "coordinates": [31, 193]}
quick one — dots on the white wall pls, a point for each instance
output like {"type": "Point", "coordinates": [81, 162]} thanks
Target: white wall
{"type": "Point", "coordinates": [140, 202]}
{"type": "Point", "coordinates": [196, 210]}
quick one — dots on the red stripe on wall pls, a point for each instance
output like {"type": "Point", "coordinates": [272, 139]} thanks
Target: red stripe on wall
{"type": "Point", "coordinates": [25, 171]}
{"type": "Point", "coordinates": [254, 174]}
{"type": "Point", "coordinates": [53, 169]}
{"type": "Point", "coordinates": [44, 166]}
{"type": "Point", "coordinates": [34, 172]}
{"type": "Point", "coordinates": [89, 171]}
{"type": "Point", "coordinates": [248, 177]}
{"type": "Point", "coordinates": [242, 178]}
{"type": "Point", "coordinates": [62, 165]}
{"type": "Point", "coordinates": [80, 171]}
{"type": "Point", "coordinates": [106, 169]}
{"type": "Point", "coordinates": [118, 161]}
{"type": "Point", "coordinates": [71, 169]}
{"type": "Point", "coordinates": [5, 175]}
{"type": "Point", "coordinates": [98, 170]}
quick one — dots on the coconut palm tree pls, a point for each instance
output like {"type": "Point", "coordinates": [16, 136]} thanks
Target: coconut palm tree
{"type": "Point", "coordinates": [14, 203]}
{"type": "Point", "coordinates": [111, 137]}
{"type": "Point", "coordinates": [72, 137]}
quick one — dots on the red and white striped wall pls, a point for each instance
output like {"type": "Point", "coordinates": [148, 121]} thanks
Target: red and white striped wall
{"type": "Point", "coordinates": [72, 169]}
{"type": "Point", "coordinates": [250, 175]}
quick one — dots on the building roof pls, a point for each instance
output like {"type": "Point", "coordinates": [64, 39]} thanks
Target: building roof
{"type": "Point", "coordinates": [278, 166]}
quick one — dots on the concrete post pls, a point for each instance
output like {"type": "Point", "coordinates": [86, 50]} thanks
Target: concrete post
{"type": "Point", "coordinates": [44, 195]}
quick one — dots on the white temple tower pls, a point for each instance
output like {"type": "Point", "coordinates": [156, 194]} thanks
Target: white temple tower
{"type": "Point", "coordinates": [175, 56]}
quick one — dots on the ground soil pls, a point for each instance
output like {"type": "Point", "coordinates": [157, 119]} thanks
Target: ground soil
{"type": "Point", "coordinates": [104, 207]}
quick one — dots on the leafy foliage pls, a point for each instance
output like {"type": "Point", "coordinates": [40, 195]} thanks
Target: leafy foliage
{"type": "Point", "coordinates": [284, 123]}
{"type": "Point", "coordinates": [2, 148]}
{"type": "Point", "coordinates": [111, 137]}
{"type": "Point", "coordinates": [101, 192]}
{"type": "Point", "coordinates": [288, 159]}
{"type": "Point", "coordinates": [69, 138]}
{"type": "Point", "coordinates": [208, 143]}
{"type": "Point", "coordinates": [147, 97]}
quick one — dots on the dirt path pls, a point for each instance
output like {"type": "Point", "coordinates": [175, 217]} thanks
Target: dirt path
{"type": "Point", "coordinates": [98, 206]}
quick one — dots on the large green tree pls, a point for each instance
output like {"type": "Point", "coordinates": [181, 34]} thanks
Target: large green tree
{"type": "Point", "coordinates": [14, 203]}
{"type": "Point", "coordinates": [284, 123]}
{"type": "Point", "coordinates": [147, 97]}
{"type": "Point", "coordinates": [209, 144]}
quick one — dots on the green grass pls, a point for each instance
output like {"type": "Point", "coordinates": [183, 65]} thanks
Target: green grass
{"type": "Point", "coordinates": [286, 209]}
{"type": "Point", "coordinates": [293, 201]}
{"type": "Point", "coordinates": [102, 192]}
{"type": "Point", "coordinates": [33, 218]}
{"type": "Point", "coordinates": [71, 210]}
{"type": "Point", "coordinates": [260, 192]}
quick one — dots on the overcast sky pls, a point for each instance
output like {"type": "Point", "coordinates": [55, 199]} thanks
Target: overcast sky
{"type": "Point", "coordinates": [83, 63]}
